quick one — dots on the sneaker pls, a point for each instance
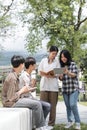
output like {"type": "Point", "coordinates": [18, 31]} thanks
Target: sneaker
{"type": "Point", "coordinates": [77, 127]}
{"type": "Point", "coordinates": [69, 124]}
{"type": "Point", "coordinates": [49, 127]}
{"type": "Point", "coordinates": [45, 128]}
{"type": "Point", "coordinates": [42, 128]}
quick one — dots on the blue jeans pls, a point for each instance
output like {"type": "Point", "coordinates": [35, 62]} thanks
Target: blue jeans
{"type": "Point", "coordinates": [71, 106]}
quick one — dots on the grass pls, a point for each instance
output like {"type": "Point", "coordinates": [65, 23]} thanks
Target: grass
{"type": "Point", "coordinates": [83, 103]}
{"type": "Point", "coordinates": [61, 127]}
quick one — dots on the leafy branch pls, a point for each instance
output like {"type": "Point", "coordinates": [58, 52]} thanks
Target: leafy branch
{"type": "Point", "coordinates": [79, 21]}
{"type": "Point", "coordinates": [7, 9]}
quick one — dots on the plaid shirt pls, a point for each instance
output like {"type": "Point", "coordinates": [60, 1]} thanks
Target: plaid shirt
{"type": "Point", "coordinates": [70, 84]}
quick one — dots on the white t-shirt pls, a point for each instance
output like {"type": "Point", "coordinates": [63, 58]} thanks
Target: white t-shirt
{"type": "Point", "coordinates": [25, 80]}
{"type": "Point", "coordinates": [48, 84]}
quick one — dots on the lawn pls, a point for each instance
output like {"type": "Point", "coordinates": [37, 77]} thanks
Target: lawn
{"type": "Point", "coordinates": [83, 103]}
{"type": "Point", "coordinates": [61, 127]}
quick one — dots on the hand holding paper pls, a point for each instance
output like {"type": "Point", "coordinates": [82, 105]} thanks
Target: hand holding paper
{"type": "Point", "coordinates": [54, 72]}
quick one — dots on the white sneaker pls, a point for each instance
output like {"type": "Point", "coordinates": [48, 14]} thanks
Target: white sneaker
{"type": "Point", "coordinates": [77, 127]}
{"type": "Point", "coordinates": [69, 124]}
{"type": "Point", "coordinates": [49, 127]}
{"type": "Point", "coordinates": [43, 128]}
{"type": "Point", "coordinates": [46, 128]}
{"type": "Point", "coordinates": [37, 129]}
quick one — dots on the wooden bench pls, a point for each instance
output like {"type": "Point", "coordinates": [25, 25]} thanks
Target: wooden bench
{"type": "Point", "coordinates": [4, 70]}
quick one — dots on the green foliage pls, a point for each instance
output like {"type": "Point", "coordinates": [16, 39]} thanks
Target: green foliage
{"type": "Point", "coordinates": [83, 64]}
{"type": "Point", "coordinates": [38, 88]}
{"type": "Point", "coordinates": [4, 22]}
{"type": "Point", "coordinates": [33, 40]}
{"type": "Point", "coordinates": [57, 21]}
{"type": "Point", "coordinates": [84, 103]}
{"type": "Point", "coordinates": [5, 19]}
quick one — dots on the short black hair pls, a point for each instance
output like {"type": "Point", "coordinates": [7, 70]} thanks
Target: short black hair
{"type": "Point", "coordinates": [66, 54]}
{"type": "Point", "coordinates": [16, 60]}
{"type": "Point", "coordinates": [29, 61]}
{"type": "Point", "coordinates": [53, 48]}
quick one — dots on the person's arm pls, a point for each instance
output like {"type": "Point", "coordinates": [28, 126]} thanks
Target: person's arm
{"type": "Point", "coordinates": [72, 73]}
{"type": "Point", "coordinates": [25, 84]}
{"type": "Point", "coordinates": [48, 75]}
{"type": "Point", "coordinates": [41, 68]}
{"type": "Point", "coordinates": [42, 72]}
{"type": "Point", "coordinates": [12, 95]}
{"type": "Point", "coordinates": [33, 82]}
{"type": "Point", "coordinates": [60, 77]}
{"type": "Point", "coordinates": [23, 90]}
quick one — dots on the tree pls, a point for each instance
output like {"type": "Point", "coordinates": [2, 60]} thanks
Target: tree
{"type": "Point", "coordinates": [83, 64]}
{"type": "Point", "coordinates": [5, 18]}
{"type": "Point", "coordinates": [59, 21]}
{"type": "Point", "coordinates": [9, 19]}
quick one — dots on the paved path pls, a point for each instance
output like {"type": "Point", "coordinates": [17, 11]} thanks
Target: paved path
{"type": "Point", "coordinates": [61, 117]}
{"type": "Point", "coordinates": [61, 113]}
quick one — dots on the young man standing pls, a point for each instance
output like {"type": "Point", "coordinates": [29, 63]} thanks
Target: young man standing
{"type": "Point", "coordinates": [11, 93]}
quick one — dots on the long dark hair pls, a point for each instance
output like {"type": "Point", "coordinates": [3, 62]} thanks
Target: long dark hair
{"type": "Point", "coordinates": [66, 54]}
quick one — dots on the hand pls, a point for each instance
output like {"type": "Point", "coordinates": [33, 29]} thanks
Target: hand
{"type": "Point", "coordinates": [50, 76]}
{"type": "Point", "coordinates": [25, 89]}
{"type": "Point", "coordinates": [61, 76]}
{"type": "Point", "coordinates": [66, 71]}
{"type": "Point", "coordinates": [32, 89]}
{"type": "Point", "coordinates": [33, 82]}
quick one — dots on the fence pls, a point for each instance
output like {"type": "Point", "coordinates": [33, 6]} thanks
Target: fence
{"type": "Point", "coordinates": [4, 70]}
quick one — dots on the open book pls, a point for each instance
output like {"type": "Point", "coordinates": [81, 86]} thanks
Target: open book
{"type": "Point", "coordinates": [55, 71]}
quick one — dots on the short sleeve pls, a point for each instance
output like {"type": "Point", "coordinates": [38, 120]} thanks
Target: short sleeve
{"type": "Point", "coordinates": [40, 67]}
{"type": "Point", "coordinates": [74, 68]}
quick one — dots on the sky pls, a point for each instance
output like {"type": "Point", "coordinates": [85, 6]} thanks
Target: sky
{"type": "Point", "coordinates": [11, 45]}
{"type": "Point", "coordinates": [14, 43]}
{"type": "Point", "coordinates": [18, 45]}
{"type": "Point", "coordinates": [18, 42]}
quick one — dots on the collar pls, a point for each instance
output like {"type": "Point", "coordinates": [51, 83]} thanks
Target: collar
{"type": "Point", "coordinates": [27, 74]}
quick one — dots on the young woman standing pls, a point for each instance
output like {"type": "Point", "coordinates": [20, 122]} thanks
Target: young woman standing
{"type": "Point", "coordinates": [49, 83]}
{"type": "Point", "coordinates": [70, 88]}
